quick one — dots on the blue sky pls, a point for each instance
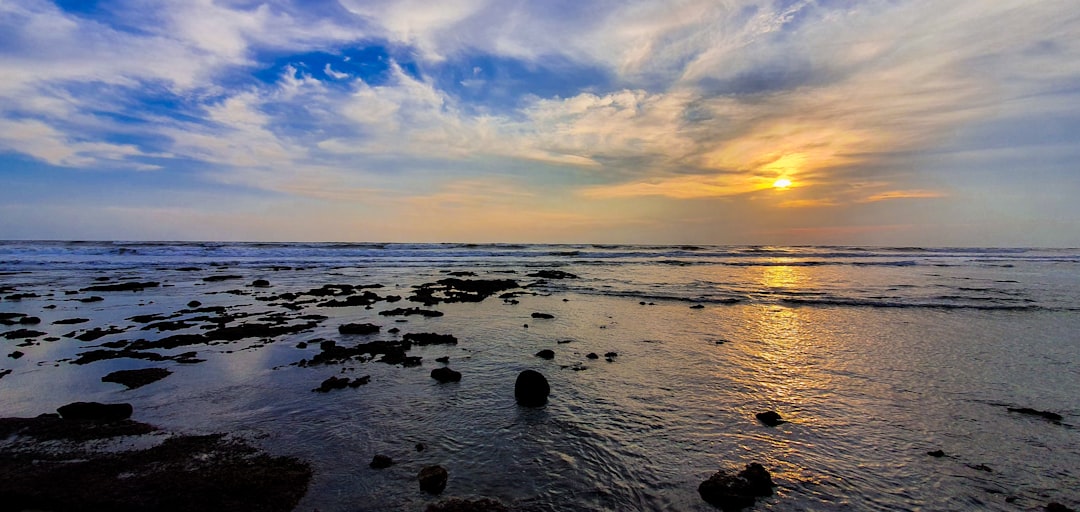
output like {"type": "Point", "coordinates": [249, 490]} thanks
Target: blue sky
{"type": "Point", "coordinates": [900, 122]}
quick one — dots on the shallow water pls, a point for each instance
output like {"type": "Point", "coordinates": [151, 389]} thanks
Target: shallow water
{"type": "Point", "coordinates": [874, 356]}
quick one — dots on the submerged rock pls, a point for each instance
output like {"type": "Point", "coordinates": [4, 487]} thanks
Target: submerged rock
{"type": "Point", "coordinates": [770, 418]}
{"type": "Point", "coordinates": [445, 375]}
{"type": "Point", "coordinates": [381, 462]}
{"type": "Point", "coordinates": [358, 329]}
{"type": "Point", "coordinates": [736, 492]}
{"type": "Point", "coordinates": [1047, 415]}
{"type": "Point", "coordinates": [552, 274]}
{"type": "Point", "coordinates": [432, 479]}
{"type": "Point", "coordinates": [94, 411]}
{"type": "Point", "coordinates": [531, 389]}
{"type": "Point", "coordinates": [136, 378]}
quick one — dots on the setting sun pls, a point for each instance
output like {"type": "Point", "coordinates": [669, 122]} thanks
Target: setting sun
{"type": "Point", "coordinates": [781, 183]}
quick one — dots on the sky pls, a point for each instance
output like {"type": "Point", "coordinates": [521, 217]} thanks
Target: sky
{"type": "Point", "coordinates": [893, 122]}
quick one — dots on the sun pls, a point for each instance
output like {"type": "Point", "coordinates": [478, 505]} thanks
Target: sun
{"type": "Point", "coordinates": [782, 183]}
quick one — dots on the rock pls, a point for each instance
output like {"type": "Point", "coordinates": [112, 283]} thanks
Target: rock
{"type": "Point", "coordinates": [428, 338]}
{"type": "Point", "coordinates": [16, 354]}
{"type": "Point", "coordinates": [542, 315]}
{"type": "Point", "coordinates": [94, 411]}
{"type": "Point", "coordinates": [332, 383]}
{"type": "Point", "coordinates": [1057, 507]}
{"type": "Point", "coordinates": [739, 491]}
{"type": "Point", "coordinates": [260, 283]}
{"type": "Point", "coordinates": [358, 329]}
{"type": "Point", "coordinates": [611, 355]}
{"type": "Point", "coordinates": [301, 345]}
{"type": "Point", "coordinates": [592, 355]}
{"type": "Point", "coordinates": [420, 447]}
{"type": "Point", "coordinates": [432, 479]}
{"type": "Point", "coordinates": [936, 453]}
{"type": "Point", "coordinates": [194, 304]}
{"type": "Point", "coordinates": [546, 354]}
{"type": "Point", "coordinates": [1047, 415]}
{"type": "Point", "coordinates": [122, 287]}
{"type": "Point", "coordinates": [531, 389]}
{"type": "Point", "coordinates": [29, 320]}
{"type": "Point", "coordinates": [697, 306]}
{"type": "Point", "coordinates": [381, 462]}
{"type": "Point", "coordinates": [71, 321]}
{"type": "Point", "coordinates": [769, 418]}
{"type": "Point", "coordinates": [217, 278]}
{"type": "Point", "coordinates": [427, 313]}
{"type": "Point", "coordinates": [463, 505]}
{"type": "Point", "coordinates": [445, 375]}
{"type": "Point", "coordinates": [19, 334]}
{"type": "Point", "coordinates": [136, 378]}
{"type": "Point", "coordinates": [443, 359]}
{"type": "Point", "coordinates": [552, 274]}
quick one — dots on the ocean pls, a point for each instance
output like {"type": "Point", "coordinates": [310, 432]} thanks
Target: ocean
{"type": "Point", "coordinates": [875, 357]}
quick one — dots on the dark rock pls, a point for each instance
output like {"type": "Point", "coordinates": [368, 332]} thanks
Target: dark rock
{"type": "Point", "coordinates": [432, 479]}
{"type": "Point", "coordinates": [4, 373]}
{"type": "Point", "coordinates": [301, 345]}
{"type": "Point", "coordinates": [121, 287]}
{"type": "Point", "coordinates": [445, 375]}
{"type": "Point", "coordinates": [420, 447]}
{"type": "Point", "coordinates": [531, 389]}
{"type": "Point", "coordinates": [360, 381]}
{"type": "Point", "coordinates": [136, 378]}
{"type": "Point", "coordinates": [260, 283]}
{"type": "Point", "coordinates": [697, 306]}
{"type": "Point", "coordinates": [461, 273]}
{"type": "Point", "coordinates": [552, 274]}
{"type": "Point", "coordinates": [611, 355]}
{"type": "Point", "coordinates": [561, 342]}
{"type": "Point", "coordinates": [1047, 415]}
{"type": "Point", "coordinates": [460, 290]}
{"type": "Point", "coordinates": [214, 279]}
{"type": "Point", "coordinates": [19, 334]}
{"type": "Point", "coordinates": [936, 453]}
{"type": "Point", "coordinates": [331, 384]}
{"type": "Point", "coordinates": [94, 411]}
{"type": "Point", "coordinates": [29, 320]}
{"type": "Point", "coordinates": [592, 355]}
{"type": "Point", "coordinates": [427, 313]}
{"type": "Point", "coordinates": [194, 304]}
{"type": "Point", "coordinates": [70, 321]}
{"type": "Point", "coordinates": [443, 359]}
{"type": "Point", "coordinates": [358, 329]}
{"type": "Point", "coordinates": [1057, 507]}
{"type": "Point", "coordinates": [546, 354]}
{"type": "Point", "coordinates": [427, 338]}
{"type": "Point", "coordinates": [737, 492]}
{"type": "Point", "coordinates": [94, 298]}
{"type": "Point", "coordinates": [16, 354]}
{"type": "Point", "coordinates": [981, 467]}
{"type": "Point", "coordinates": [542, 315]}
{"type": "Point", "coordinates": [463, 505]}
{"type": "Point", "coordinates": [770, 418]}
{"type": "Point", "coordinates": [393, 330]}
{"type": "Point", "coordinates": [381, 462]}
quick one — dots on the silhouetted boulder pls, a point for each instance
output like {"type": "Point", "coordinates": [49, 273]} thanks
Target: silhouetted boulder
{"type": "Point", "coordinates": [1057, 507]}
{"type": "Point", "coordinates": [332, 383]}
{"type": "Point", "coordinates": [445, 375]}
{"type": "Point", "coordinates": [736, 492]}
{"type": "Point", "coordinates": [531, 389]}
{"type": "Point", "coordinates": [121, 287]}
{"type": "Point", "coordinates": [592, 355]}
{"type": "Point", "coordinates": [432, 479]}
{"type": "Point", "coordinates": [936, 453]}
{"type": "Point", "coordinates": [429, 338]}
{"type": "Point", "coordinates": [358, 328]}
{"type": "Point", "coordinates": [136, 378]}
{"type": "Point", "coordinates": [543, 315]}
{"type": "Point", "coordinates": [770, 418]}
{"type": "Point", "coordinates": [553, 274]}
{"type": "Point", "coordinates": [1047, 415]}
{"type": "Point", "coordinates": [94, 411]}
{"type": "Point", "coordinates": [546, 354]}
{"type": "Point", "coordinates": [381, 462]}
{"type": "Point", "coordinates": [260, 283]}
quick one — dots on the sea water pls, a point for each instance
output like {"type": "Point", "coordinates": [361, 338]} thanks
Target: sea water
{"type": "Point", "coordinates": [875, 356]}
